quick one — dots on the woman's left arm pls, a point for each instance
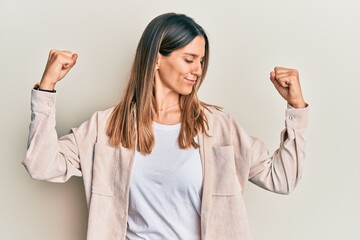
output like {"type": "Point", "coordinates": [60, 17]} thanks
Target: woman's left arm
{"type": "Point", "coordinates": [281, 171]}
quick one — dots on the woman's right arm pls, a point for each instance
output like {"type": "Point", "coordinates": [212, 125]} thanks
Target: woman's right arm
{"type": "Point", "coordinates": [47, 157]}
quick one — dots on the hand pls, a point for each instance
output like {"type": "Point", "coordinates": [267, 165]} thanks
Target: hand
{"type": "Point", "coordinates": [286, 81]}
{"type": "Point", "coordinates": [58, 65]}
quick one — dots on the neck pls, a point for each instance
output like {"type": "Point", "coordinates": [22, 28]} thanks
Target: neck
{"type": "Point", "coordinates": [167, 104]}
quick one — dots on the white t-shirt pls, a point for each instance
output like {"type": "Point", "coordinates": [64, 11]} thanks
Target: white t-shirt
{"type": "Point", "coordinates": [165, 190]}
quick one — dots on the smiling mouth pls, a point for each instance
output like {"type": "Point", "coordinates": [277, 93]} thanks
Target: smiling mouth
{"type": "Point", "coordinates": [190, 80]}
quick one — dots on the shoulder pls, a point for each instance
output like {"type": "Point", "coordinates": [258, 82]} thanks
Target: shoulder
{"type": "Point", "coordinates": [216, 114]}
{"type": "Point", "coordinates": [97, 121]}
{"type": "Point", "coordinates": [225, 129]}
{"type": "Point", "coordinates": [220, 123]}
{"type": "Point", "coordinates": [99, 117]}
{"type": "Point", "coordinates": [105, 114]}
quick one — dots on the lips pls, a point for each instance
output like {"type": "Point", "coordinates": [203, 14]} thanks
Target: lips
{"type": "Point", "coordinates": [192, 81]}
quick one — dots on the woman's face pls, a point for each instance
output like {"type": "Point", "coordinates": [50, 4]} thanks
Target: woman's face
{"type": "Point", "coordinates": [179, 71]}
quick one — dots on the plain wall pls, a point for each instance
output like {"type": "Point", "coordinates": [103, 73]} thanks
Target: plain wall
{"type": "Point", "coordinates": [247, 40]}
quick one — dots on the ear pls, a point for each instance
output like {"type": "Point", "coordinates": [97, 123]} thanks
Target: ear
{"type": "Point", "coordinates": [158, 60]}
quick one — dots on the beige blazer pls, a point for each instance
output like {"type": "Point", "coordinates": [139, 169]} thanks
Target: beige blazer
{"type": "Point", "coordinates": [229, 157]}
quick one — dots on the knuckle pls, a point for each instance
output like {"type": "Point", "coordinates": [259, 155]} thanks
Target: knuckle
{"type": "Point", "coordinates": [52, 51]}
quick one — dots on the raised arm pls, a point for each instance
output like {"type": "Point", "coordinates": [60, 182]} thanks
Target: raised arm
{"type": "Point", "coordinates": [47, 157]}
{"type": "Point", "coordinates": [279, 171]}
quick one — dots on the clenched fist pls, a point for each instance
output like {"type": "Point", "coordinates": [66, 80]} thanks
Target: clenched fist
{"type": "Point", "coordinates": [58, 65]}
{"type": "Point", "coordinates": [286, 81]}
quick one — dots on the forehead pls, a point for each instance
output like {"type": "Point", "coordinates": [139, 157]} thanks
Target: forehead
{"type": "Point", "coordinates": [196, 47]}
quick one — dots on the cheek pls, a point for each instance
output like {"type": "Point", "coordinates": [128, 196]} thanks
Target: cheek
{"type": "Point", "coordinates": [175, 70]}
{"type": "Point", "coordinates": [182, 68]}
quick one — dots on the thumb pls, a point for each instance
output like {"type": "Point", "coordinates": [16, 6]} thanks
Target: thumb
{"type": "Point", "coordinates": [74, 57]}
{"type": "Point", "coordinates": [71, 62]}
{"type": "Point", "coordinates": [274, 81]}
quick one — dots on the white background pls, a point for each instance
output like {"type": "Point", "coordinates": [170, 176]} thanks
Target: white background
{"type": "Point", "coordinates": [321, 38]}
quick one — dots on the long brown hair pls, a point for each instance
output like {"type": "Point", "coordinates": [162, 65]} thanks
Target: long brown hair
{"type": "Point", "coordinates": [131, 120]}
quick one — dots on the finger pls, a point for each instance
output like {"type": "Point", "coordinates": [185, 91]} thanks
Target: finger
{"type": "Point", "coordinates": [292, 77]}
{"type": "Point", "coordinates": [74, 57]}
{"type": "Point", "coordinates": [67, 62]}
{"type": "Point", "coordinates": [282, 70]}
{"type": "Point", "coordinates": [283, 76]}
{"type": "Point", "coordinates": [275, 82]}
{"type": "Point", "coordinates": [52, 51]}
{"type": "Point", "coordinates": [73, 62]}
{"type": "Point", "coordinates": [55, 53]}
{"type": "Point", "coordinates": [283, 81]}
{"type": "Point", "coordinates": [278, 69]}
{"type": "Point", "coordinates": [272, 76]}
{"type": "Point", "coordinates": [67, 68]}
{"type": "Point", "coordinates": [277, 86]}
{"type": "Point", "coordinates": [67, 53]}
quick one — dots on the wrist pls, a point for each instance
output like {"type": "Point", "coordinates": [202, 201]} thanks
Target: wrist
{"type": "Point", "coordinates": [47, 86]}
{"type": "Point", "coordinates": [301, 104]}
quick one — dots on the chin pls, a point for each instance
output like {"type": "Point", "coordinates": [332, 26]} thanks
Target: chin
{"type": "Point", "coordinates": [186, 92]}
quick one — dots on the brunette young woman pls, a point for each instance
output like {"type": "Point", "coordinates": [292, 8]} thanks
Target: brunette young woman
{"type": "Point", "coordinates": [162, 164]}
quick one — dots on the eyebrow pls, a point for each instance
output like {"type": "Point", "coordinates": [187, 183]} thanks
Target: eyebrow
{"type": "Point", "coordinates": [193, 55]}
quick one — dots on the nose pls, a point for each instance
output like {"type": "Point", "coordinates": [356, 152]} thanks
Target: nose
{"type": "Point", "coordinates": [197, 69]}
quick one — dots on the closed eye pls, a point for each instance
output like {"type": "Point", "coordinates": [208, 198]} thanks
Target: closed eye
{"type": "Point", "coordinates": [189, 61]}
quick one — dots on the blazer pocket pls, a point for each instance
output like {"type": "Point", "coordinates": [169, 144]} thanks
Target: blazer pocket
{"type": "Point", "coordinates": [104, 169]}
{"type": "Point", "coordinates": [226, 182]}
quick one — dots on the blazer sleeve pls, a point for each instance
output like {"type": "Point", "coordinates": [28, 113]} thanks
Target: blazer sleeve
{"type": "Point", "coordinates": [281, 171]}
{"type": "Point", "coordinates": [48, 157]}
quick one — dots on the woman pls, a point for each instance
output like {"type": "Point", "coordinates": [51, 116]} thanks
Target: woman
{"type": "Point", "coordinates": [162, 164]}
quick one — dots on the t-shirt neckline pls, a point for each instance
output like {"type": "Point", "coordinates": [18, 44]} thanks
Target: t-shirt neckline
{"type": "Point", "coordinates": [166, 127]}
